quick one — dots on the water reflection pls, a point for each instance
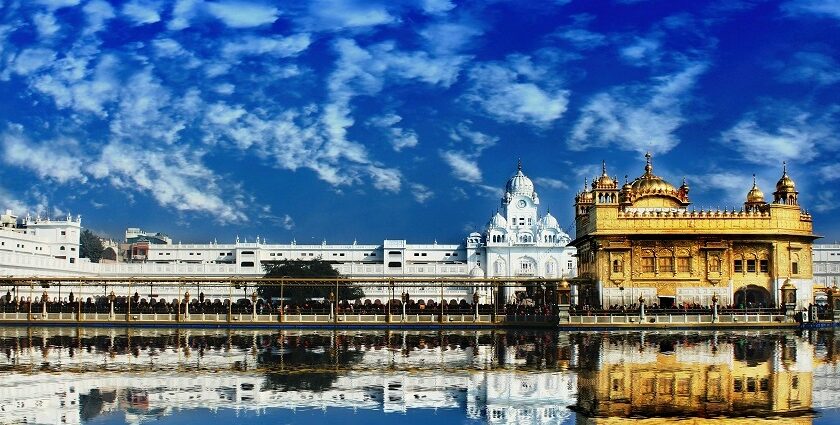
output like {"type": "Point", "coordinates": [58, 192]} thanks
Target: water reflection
{"type": "Point", "coordinates": [60, 375]}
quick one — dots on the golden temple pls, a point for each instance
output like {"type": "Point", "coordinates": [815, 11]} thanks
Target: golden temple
{"type": "Point", "coordinates": [641, 242]}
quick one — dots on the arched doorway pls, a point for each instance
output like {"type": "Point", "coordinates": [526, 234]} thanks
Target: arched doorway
{"type": "Point", "coordinates": [109, 254]}
{"type": "Point", "coordinates": [752, 296]}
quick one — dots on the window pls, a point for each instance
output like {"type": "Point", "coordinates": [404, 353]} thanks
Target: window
{"type": "Point", "coordinates": [738, 385]}
{"type": "Point", "coordinates": [247, 252]}
{"type": "Point", "coordinates": [393, 253]}
{"type": "Point", "coordinates": [247, 264]}
{"type": "Point", "coordinates": [666, 264]}
{"type": "Point", "coordinates": [570, 264]}
{"type": "Point", "coordinates": [750, 266]}
{"type": "Point", "coordinates": [394, 264]}
{"type": "Point", "coordinates": [616, 266]}
{"type": "Point", "coordinates": [423, 254]}
{"type": "Point", "coordinates": [683, 264]}
{"type": "Point", "coordinates": [61, 249]}
{"type": "Point", "coordinates": [416, 254]}
{"type": "Point", "coordinates": [63, 232]}
{"type": "Point", "coordinates": [763, 266]}
{"type": "Point", "coordinates": [738, 266]}
{"type": "Point", "coordinates": [647, 264]}
{"type": "Point", "coordinates": [794, 267]}
{"type": "Point", "coordinates": [72, 260]}
{"type": "Point", "coordinates": [72, 249]}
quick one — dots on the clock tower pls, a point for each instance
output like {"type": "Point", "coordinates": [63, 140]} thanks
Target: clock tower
{"type": "Point", "coordinates": [520, 202]}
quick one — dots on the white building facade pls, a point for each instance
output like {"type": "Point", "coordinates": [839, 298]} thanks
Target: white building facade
{"type": "Point", "coordinates": [517, 242]}
{"type": "Point", "coordinates": [826, 265]}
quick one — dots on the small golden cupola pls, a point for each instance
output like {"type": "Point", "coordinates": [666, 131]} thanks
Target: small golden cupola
{"type": "Point", "coordinates": [785, 193]}
{"type": "Point", "coordinates": [605, 188]}
{"type": "Point", "coordinates": [755, 198]}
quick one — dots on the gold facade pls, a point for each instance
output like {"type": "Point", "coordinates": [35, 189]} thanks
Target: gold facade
{"type": "Point", "coordinates": [642, 240]}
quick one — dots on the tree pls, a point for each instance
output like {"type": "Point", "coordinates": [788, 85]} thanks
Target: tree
{"type": "Point", "coordinates": [91, 246]}
{"type": "Point", "coordinates": [303, 290]}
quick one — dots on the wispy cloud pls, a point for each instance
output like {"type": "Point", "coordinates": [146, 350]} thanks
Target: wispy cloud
{"type": "Point", "coordinates": [243, 14]}
{"type": "Point", "coordinates": [638, 117]}
{"type": "Point", "coordinates": [828, 8]}
{"type": "Point", "coordinates": [142, 12]}
{"type": "Point", "coordinates": [781, 131]}
{"type": "Point", "coordinates": [421, 193]}
{"type": "Point", "coordinates": [518, 91]}
{"type": "Point", "coordinates": [809, 67]}
{"type": "Point", "coordinates": [463, 166]}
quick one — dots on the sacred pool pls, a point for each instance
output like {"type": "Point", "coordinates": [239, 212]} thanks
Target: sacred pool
{"type": "Point", "coordinates": [62, 375]}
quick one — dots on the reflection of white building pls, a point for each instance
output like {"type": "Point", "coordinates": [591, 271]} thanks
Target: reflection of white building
{"type": "Point", "coordinates": [517, 242]}
{"type": "Point", "coordinates": [159, 382]}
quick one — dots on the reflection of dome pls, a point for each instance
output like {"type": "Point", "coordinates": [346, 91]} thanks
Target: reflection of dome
{"type": "Point", "coordinates": [520, 184]}
{"type": "Point", "coordinates": [548, 220]}
{"type": "Point", "coordinates": [476, 272]}
{"type": "Point", "coordinates": [755, 195]}
{"type": "Point", "coordinates": [498, 221]}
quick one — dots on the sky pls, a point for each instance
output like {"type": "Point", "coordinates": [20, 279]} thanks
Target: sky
{"type": "Point", "coordinates": [368, 120]}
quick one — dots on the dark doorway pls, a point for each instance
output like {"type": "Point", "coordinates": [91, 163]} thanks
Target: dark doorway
{"type": "Point", "coordinates": [752, 296]}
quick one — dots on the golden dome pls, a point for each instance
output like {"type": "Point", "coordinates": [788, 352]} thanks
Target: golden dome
{"type": "Point", "coordinates": [649, 183]}
{"type": "Point", "coordinates": [755, 195]}
{"type": "Point", "coordinates": [785, 183]}
{"type": "Point", "coordinates": [604, 182]}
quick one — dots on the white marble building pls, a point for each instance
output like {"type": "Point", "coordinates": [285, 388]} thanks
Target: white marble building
{"type": "Point", "coordinates": [826, 265]}
{"type": "Point", "coordinates": [517, 242]}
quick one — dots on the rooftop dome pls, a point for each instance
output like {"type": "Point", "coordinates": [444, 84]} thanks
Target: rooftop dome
{"type": "Point", "coordinates": [785, 183]}
{"type": "Point", "coordinates": [477, 272]}
{"type": "Point", "coordinates": [651, 183]}
{"type": "Point", "coordinates": [604, 181]}
{"type": "Point", "coordinates": [498, 221]}
{"type": "Point", "coordinates": [548, 220]}
{"type": "Point", "coordinates": [520, 184]}
{"type": "Point", "coordinates": [755, 195]}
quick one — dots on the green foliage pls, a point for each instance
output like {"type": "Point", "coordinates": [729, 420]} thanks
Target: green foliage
{"type": "Point", "coordinates": [301, 291]}
{"type": "Point", "coordinates": [91, 246]}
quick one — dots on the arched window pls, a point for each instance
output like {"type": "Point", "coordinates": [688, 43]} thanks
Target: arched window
{"type": "Point", "coordinates": [617, 266]}
{"type": "Point", "coordinates": [62, 248]}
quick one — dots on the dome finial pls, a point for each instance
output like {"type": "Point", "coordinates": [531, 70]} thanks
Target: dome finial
{"type": "Point", "coordinates": [784, 168]}
{"type": "Point", "coordinates": [754, 183]}
{"type": "Point", "coordinates": [603, 167]}
{"type": "Point", "coordinates": [648, 165]}
{"type": "Point", "coordinates": [519, 164]}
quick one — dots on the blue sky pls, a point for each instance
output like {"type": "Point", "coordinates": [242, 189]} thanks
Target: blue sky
{"type": "Point", "coordinates": [367, 120]}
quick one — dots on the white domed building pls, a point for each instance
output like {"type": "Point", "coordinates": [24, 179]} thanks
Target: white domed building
{"type": "Point", "coordinates": [518, 242]}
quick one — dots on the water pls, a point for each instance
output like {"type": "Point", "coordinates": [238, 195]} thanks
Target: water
{"type": "Point", "coordinates": [170, 376]}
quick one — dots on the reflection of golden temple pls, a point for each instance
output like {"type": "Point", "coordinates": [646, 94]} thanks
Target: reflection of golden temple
{"type": "Point", "coordinates": [715, 384]}
{"type": "Point", "coordinates": [641, 240]}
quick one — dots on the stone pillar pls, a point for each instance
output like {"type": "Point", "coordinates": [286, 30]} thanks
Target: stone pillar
{"type": "Point", "coordinates": [254, 305]}
{"type": "Point", "coordinates": [44, 299]}
{"type": "Point", "coordinates": [475, 304]}
{"type": "Point", "coordinates": [187, 305]}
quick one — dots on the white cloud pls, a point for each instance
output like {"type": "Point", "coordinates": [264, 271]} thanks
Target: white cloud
{"type": "Point", "coordinates": [420, 192]}
{"type": "Point", "coordinates": [517, 91]}
{"type": "Point", "coordinates": [463, 166]}
{"type": "Point", "coordinates": [550, 183]}
{"type": "Point", "coordinates": [224, 88]}
{"type": "Point", "coordinates": [809, 68]}
{"type": "Point", "coordinates": [435, 7]}
{"type": "Point", "coordinates": [582, 38]}
{"type": "Point", "coordinates": [266, 46]}
{"type": "Point", "coordinates": [288, 222]}
{"type": "Point", "coordinates": [398, 137]}
{"type": "Point", "coordinates": [240, 14]}
{"type": "Point", "coordinates": [830, 8]}
{"type": "Point", "coordinates": [49, 160]}
{"type": "Point", "coordinates": [830, 172]}
{"type": "Point", "coordinates": [69, 90]}
{"type": "Point", "coordinates": [174, 177]}
{"type": "Point", "coordinates": [98, 13]}
{"type": "Point", "coordinates": [643, 51]}
{"type": "Point", "coordinates": [46, 24]}
{"type": "Point", "coordinates": [782, 132]}
{"type": "Point", "coordinates": [733, 185]}
{"type": "Point", "coordinates": [826, 201]}
{"type": "Point", "coordinates": [448, 37]}
{"type": "Point", "coordinates": [334, 15]}
{"type": "Point", "coordinates": [32, 60]}
{"type": "Point", "coordinates": [58, 4]}
{"type": "Point", "coordinates": [479, 140]}
{"type": "Point", "coordinates": [639, 117]}
{"type": "Point", "coordinates": [182, 13]}
{"type": "Point", "coordinates": [142, 12]}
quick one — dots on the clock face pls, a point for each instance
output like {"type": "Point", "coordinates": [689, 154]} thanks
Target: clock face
{"type": "Point", "coordinates": [522, 203]}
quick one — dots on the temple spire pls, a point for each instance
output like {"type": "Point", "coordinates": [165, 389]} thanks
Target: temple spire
{"type": "Point", "coordinates": [648, 165]}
